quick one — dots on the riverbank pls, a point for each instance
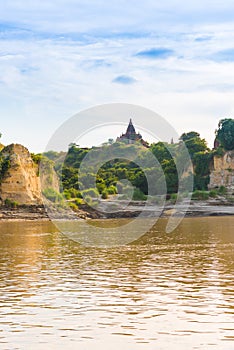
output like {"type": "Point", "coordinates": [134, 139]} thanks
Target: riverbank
{"type": "Point", "coordinates": [110, 210]}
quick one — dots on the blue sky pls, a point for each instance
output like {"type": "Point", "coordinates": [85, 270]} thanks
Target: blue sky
{"type": "Point", "coordinates": [59, 57]}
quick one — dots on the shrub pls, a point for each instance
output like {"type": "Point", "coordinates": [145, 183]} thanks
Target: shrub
{"type": "Point", "coordinates": [173, 197]}
{"type": "Point", "coordinates": [200, 195]}
{"type": "Point", "coordinates": [105, 194]}
{"type": "Point", "coordinates": [90, 192]}
{"type": "Point", "coordinates": [73, 206]}
{"type": "Point", "coordinates": [222, 190]}
{"type": "Point", "coordinates": [75, 193]}
{"type": "Point", "coordinates": [71, 193]}
{"type": "Point", "coordinates": [112, 190]}
{"type": "Point", "coordinates": [5, 164]}
{"type": "Point", "coordinates": [67, 194]}
{"type": "Point", "coordinates": [36, 157]}
{"type": "Point", "coordinates": [51, 194]}
{"type": "Point", "coordinates": [11, 204]}
{"type": "Point", "coordinates": [213, 193]}
{"type": "Point", "coordinates": [138, 195]}
{"type": "Point", "coordinates": [79, 201]}
{"type": "Point", "coordinates": [101, 187]}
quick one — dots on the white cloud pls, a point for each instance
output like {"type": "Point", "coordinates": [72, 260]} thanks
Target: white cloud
{"type": "Point", "coordinates": [45, 78]}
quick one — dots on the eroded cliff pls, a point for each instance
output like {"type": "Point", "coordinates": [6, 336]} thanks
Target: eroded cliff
{"type": "Point", "coordinates": [222, 172]}
{"type": "Point", "coordinates": [20, 180]}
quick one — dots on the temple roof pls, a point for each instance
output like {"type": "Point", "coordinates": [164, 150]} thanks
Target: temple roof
{"type": "Point", "coordinates": [131, 136]}
{"type": "Point", "coordinates": [130, 129]}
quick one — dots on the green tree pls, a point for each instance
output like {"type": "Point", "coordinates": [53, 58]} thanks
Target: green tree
{"type": "Point", "coordinates": [189, 135]}
{"type": "Point", "coordinates": [200, 156]}
{"type": "Point", "coordinates": [194, 143]}
{"type": "Point", "coordinates": [225, 133]}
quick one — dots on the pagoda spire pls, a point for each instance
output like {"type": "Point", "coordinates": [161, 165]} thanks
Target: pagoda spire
{"type": "Point", "coordinates": [131, 136]}
{"type": "Point", "coordinates": [130, 129]}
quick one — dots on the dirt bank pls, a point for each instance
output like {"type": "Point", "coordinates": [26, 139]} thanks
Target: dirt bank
{"type": "Point", "coordinates": [134, 209]}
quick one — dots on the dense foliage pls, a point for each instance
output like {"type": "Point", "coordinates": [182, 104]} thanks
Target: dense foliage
{"type": "Point", "coordinates": [127, 178]}
{"type": "Point", "coordinates": [120, 174]}
{"type": "Point", "coordinates": [200, 156]}
{"type": "Point", "coordinates": [225, 133]}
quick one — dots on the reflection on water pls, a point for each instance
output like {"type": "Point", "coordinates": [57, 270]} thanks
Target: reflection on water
{"type": "Point", "coordinates": [164, 291]}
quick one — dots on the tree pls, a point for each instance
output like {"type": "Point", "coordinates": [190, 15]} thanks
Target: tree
{"type": "Point", "coordinates": [225, 133]}
{"type": "Point", "coordinates": [189, 135]}
{"type": "Point", "coordinates": [194, 143]}
{"type": "Point", "coordinates": [160, 151]}
{"type": "Point", "coordinates": [200, 156]}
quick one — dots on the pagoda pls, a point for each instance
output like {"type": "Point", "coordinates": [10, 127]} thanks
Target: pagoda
{"type": "Point", "coordinates": [131, 136]}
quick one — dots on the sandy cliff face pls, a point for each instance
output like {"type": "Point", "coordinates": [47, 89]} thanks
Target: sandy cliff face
{"type": "Point", "coordinates": [20, 181]}
{"type": "Point", "coordinates": [222, 173]}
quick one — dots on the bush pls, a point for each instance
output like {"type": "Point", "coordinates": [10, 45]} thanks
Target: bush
{"type": "Point", "coordinates": [222, 190]}
{"type": "Point", "coordinates": [79, 201]}
{"type": "Point", "coordinates": [173, 197]}
{"type": "Point", "coordinates": [138, 195]}
{"type": "Point", "coordinates": [71, 193]}
{"type": "Point", "coordinates": [67, 194]}
{"type": "Point", "coordinates": [36, 157]}
{"type": "Point", "coordinates": [101, 187]}
{"type": "Point", "coordinates": [5, 164]}
{"type": "Point", "coordinates": [105, 194]}
{"type": "Point", "coordinates": [10, 204]}
{"type": "Point", "coordinates": [90, 192]}
{"type": "Point", "coordinates": [52, 195]}
{"type": "Point", "coordinates": [112, 190]}
{"type": "Point", "coordinates": [200, 195]}
{"type": "Point", "coordinates": [73, 206]}
{"type": "Point", "coordinates": [213, 193]}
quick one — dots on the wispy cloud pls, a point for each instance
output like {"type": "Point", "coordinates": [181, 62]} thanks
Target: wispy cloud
{"type": "Point", "coordinates": [203, 38]}
{"type": "Point", "coordinates": [60, 56]}
{"type": "Point", "coordinates": [226, 55]}
{"type": "Point", "coordinates": [155, 53]}
{"type": "Point", "coordinates": [124, 79]}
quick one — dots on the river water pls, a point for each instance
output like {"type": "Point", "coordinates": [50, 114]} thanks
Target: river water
{"type": "Point", "coordinates": [164, 291]}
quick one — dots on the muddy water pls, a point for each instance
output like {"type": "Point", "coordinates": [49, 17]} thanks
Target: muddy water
{"type": "Point", "coordinates": [164, 291]}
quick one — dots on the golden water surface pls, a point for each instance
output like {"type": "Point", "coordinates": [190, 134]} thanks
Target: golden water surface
{"type": "Point", "coordinates": [164, 291]}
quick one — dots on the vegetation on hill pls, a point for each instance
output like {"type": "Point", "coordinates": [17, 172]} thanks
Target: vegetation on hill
{"type": "Point", "coordinates": [126, 176]}
{"type": "Point", "coordinates": [120, 175]}
{"type": "Point", "coordinates": [111, 173]}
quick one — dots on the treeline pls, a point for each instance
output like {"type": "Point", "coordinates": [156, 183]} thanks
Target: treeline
{"type": "Point", "coordinates": [109, 176]}
{"type": "Point", "coordinates": [120, 174]}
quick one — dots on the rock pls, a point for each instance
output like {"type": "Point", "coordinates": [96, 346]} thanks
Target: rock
{"type": "Point", "coordinates": [20, 180]}
{"type": "Point", "coordinates": [222, 172]}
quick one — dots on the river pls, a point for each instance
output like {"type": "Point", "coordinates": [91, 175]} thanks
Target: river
{"type": "Point", "coordinates": [163, 291]}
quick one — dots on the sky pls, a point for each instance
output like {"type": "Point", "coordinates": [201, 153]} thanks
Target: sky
{"type": "Point", "coordinates": [59, 57]}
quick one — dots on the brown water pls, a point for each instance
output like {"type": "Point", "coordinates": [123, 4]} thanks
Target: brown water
{"type": "Point", "coordinates": [165, 291]}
